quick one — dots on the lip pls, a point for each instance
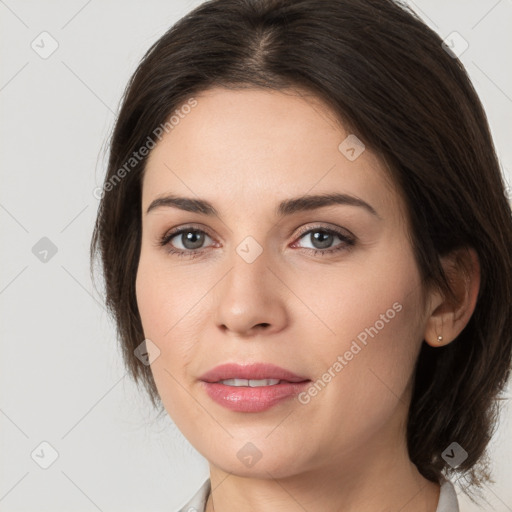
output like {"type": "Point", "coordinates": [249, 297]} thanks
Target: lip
{"type": "Point", "coordinates": [248, 399]}
{"type": "Point", "coordinates": [250, 371]}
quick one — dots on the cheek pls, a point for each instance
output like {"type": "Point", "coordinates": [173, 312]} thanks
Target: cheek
{"type": "Point", "coordinates": [370, 317]}
{"type": "Point", "coordinates": [364, 373]}
{"type": "Point", "coordinates": [380, 340]}
{"type": "Point", "coordinates": [376, 304]}
{"type": "Point", "coordinates": [164, 296]}
{"type": "Point", "coordinates": [165, 302]}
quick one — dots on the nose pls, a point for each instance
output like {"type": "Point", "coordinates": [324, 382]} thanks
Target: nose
{"type": "Point", "coordinates": [252, 298]}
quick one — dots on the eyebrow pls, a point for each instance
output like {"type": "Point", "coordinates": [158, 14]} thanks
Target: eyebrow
{"type": "Point", "coordinates": [286, 207]}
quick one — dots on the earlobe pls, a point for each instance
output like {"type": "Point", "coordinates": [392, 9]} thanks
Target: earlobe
{"type": "Point", "coordinates": [450, 315]}
{"type": "Point", "coordinates": [435, 334]}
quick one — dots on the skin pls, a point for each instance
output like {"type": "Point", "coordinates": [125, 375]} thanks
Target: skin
{"type": "Point", "coordinates": [345, 450]}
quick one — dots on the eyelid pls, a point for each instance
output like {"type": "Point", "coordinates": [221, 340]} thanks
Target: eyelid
{"type": "Point", "coordinates": [191, 227]}
{"type": "Point", "coordinates": [326, 227]}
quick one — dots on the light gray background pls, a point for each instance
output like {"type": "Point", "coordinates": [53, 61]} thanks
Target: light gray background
{"type": "Point", "coordinates": [62, 380]}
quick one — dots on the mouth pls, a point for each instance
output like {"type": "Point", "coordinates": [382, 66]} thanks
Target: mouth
{"type": "Point", "coordinates": [252, 383]}
{"type": "Point", "coordinates": [251, 388]}
{"type": "Point", "coordinates": [252, 375]}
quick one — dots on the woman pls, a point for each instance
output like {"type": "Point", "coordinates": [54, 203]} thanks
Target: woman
{"type": "Point", "coordinates": [305, 240]}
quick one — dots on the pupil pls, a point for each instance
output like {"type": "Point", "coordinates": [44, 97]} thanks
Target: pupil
{"type": "Point", "coordinates": [322, 237]}
{"type": "Point", "coordinates": [190, 238]}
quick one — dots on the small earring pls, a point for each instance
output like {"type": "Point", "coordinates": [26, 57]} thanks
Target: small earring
{"type": "Point", "coordinates": [439, 339]}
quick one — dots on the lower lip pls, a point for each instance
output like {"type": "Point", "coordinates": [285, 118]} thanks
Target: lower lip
{"type": "Point", "coordinates": [247, 399]}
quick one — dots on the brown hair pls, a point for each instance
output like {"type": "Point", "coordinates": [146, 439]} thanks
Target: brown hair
{"type": "Point", "coordinates": [388, 78]}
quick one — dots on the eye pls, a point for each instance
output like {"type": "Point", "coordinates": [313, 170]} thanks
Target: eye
{"type": "Point", "coordinates": [191, 240]}
{"type": "Point", "coordinates": [322, 239]}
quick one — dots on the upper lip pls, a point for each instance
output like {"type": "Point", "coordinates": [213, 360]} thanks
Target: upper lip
{"type": "Point", "coordinates": [256, 371]}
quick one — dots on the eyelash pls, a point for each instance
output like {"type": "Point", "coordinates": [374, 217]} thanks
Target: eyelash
{"type": "Point", "coordinates": [348, 242]}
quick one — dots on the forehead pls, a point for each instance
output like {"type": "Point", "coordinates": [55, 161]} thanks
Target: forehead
{"type": "Point", "coordinates": [248, 146]}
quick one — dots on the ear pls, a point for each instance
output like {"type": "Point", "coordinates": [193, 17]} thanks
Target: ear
{"type": "Point", "coordinates": [448, 317]}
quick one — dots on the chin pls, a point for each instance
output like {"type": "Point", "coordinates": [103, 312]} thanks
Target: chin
{"type": "Point", "coordinates": [256, 459]}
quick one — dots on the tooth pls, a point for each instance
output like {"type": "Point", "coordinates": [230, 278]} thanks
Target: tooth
{"type": "Point", "coordinates": [253, 383]}
{"type": "Point", "coordinates": [235, 382]}
{"type": "Point", "coordinates": [263, 382]}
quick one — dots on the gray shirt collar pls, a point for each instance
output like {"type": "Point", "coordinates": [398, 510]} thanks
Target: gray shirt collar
{"type": "Point", "coordinates": [447, 498]}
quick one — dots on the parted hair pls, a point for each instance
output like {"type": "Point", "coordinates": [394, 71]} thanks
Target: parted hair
{"type": "Point", "coordinates": [390, 80]}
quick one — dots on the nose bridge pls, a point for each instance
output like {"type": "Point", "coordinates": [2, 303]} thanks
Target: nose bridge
{"type": "Point", "coordinates": [250, 241]}
{"type": "Point", "coordinates": [250, 294]}
{"type": "Point", "coordinates": [250, 267]}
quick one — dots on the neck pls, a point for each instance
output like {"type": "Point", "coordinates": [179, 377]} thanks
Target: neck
{"type": "Point", "coordinates": [365, 485]}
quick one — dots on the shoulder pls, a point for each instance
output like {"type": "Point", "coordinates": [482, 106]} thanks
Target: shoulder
{"type": "Point", "coordinates": [198, 502]}
{"type": "Point", "coordinates": [447, 498]}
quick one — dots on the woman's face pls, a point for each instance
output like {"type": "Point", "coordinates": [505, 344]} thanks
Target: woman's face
{"type": "Point", "coordinates": [330, 292]}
